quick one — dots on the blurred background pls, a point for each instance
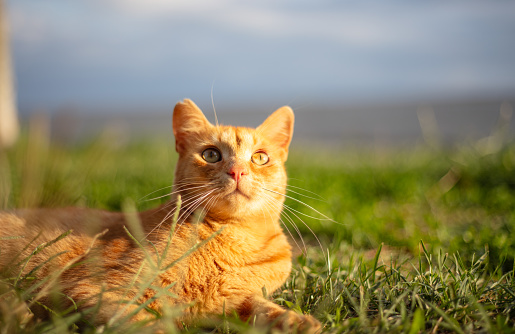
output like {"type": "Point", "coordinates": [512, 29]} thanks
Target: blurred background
{"type": "Point", "coordinates": [359, 72]}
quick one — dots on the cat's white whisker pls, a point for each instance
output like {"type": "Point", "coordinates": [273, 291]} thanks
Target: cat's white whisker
{"type": "Point", "coordinates": [303, 195]}
{"type": "Point", "coordinates": [269, 208]}
{"type": "Point", "coordinates": [317, 198]}
{"type": "Point", "coordinates": [309, 228]}
{"type": "Point", "coordinates": [189, 203]}
{"type": "Point", "coordinates": [185, 203]}
{"type": "Point", "coordinates": [304, 250]}
{"type": "Point", "coordinates": [183, 187]}
{"type": "Point", "coordinates": [301, 202]}
{"type": "Point", "coordinates": [185, 197]}
{"type": "Point", "coordinates": [311, 192]}
{"type": "Point", "coordinates": [312, 217]}
{"type": "Point", "coordinates": [189, 209]}
{"type": "Point", "coordinates": [205, 209]}
{"type": "Point", "coordinates": [269, 198]}
{"type": "Point", "coordinates": [193, 207]}
{"type": "Point", "coordinates": [293, 212]}
{"type": "Point", "coordinates": [179, 189]}
{"type": "Point", "coordinates": [155, 191]}
{"type": "Point", "coordinates": [211, 203]}
{"type": "Point", "coordinates": [264, 215]}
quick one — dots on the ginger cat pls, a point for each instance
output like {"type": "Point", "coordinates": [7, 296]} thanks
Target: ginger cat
{"type": "Point", "coordinates": [234, 179]}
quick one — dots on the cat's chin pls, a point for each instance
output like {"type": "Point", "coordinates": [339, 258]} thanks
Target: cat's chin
{"type": "Point", "coordinates": [237, 194]}
{"type": "Point", "coordinates": [238, 200]}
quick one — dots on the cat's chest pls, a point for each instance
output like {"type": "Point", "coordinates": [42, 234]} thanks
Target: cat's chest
{"type": "Point", "coordinates": [224, 267]}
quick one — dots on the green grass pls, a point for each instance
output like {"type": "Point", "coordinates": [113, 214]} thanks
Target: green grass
{"type": "Point", "coordinates": [423, 239]}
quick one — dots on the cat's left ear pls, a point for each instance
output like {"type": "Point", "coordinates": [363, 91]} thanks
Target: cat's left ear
{"type": "Point", "coordinates": [188, 122]}
{"type": "Point", "coordinates": [278, 128]}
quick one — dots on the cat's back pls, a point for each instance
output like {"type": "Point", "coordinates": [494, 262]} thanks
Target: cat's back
{"type": "Point", "coordinates": [24, 222]}
{"type": "Point", "coordinates": [22, 230]}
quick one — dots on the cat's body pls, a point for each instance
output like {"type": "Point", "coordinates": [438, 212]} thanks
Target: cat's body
{"type": "Point", "coordinates": [233, 179]}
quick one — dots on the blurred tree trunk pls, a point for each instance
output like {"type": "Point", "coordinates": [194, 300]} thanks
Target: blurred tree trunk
{"type": "Point", "coordinates": [9, 126]}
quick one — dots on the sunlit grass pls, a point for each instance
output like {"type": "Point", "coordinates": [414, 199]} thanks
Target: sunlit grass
{"type": "Point", "coordinates": [423, 240]}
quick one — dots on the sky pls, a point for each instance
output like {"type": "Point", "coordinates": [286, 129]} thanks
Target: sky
{"type": "Point", "coordinates": [134, 53]}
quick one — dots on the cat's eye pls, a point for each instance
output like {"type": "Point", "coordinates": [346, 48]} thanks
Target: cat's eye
{"type": "Point", "coordinates": [211, 155]}
{"type": "Point", "coordinates": [260, 158]}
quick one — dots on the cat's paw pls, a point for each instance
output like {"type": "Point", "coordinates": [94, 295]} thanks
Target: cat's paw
{"type": "Point", "coordinates": [297, 323]}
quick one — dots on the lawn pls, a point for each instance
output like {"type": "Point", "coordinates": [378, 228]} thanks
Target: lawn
{"type": "Point", "coordinates": [393, 240]}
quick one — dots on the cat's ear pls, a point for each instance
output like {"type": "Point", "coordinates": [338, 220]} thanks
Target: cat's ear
{"type": "Point", "coordinates": [278, 128]}
{"type": "Point", "coordinates": [188, 121]}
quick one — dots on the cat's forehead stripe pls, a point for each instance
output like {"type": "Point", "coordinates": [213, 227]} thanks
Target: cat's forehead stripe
{"type": "Point", "coordinates": [235, 137]}
{"type": "Point", "coordinates": [243, 136]}
{"type": "Point", "coordinates": [238, 138]}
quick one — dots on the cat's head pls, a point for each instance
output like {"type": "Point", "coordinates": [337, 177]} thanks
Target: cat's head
{"type": "Point", "coordinates": [231, 171]}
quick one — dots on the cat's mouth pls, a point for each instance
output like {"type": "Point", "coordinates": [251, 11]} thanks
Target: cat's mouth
{"type": "Point", "coordinates": [238, 191]}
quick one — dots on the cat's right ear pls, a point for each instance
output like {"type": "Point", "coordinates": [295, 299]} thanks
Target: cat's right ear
{"type": "Point", "coordinates": [188, 121]}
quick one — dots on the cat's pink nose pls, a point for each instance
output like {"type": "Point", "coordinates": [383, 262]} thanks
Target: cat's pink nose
{"type": "Point", "coordinates": [236, 173]}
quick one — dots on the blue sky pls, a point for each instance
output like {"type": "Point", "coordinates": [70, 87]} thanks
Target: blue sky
{"type": "Point", "coordinates": [95, 53]}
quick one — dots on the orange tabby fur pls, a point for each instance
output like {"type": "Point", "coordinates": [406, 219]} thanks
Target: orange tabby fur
{"type": "Point", "coordinates": [229, 272]}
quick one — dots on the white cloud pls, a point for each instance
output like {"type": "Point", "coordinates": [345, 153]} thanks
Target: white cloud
{"type": "Point", "coordinates": [365, 25]}
{"type": "Point", "coordinates": [160, 8]}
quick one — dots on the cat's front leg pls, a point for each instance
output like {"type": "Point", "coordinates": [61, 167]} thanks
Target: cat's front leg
{"type": "Point", "coordinates": [266, 312]}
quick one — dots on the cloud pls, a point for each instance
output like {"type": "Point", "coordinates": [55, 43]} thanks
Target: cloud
{"type": "Point", "coordinates": [271, 20]}
{"type": "Point", "coordinates": [154, 8]}
{"type": "Point", "coordinates": [360, 25]}
{"type": "Point", "coordinates": [298, 46]}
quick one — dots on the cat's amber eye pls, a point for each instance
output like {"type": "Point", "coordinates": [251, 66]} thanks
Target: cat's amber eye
{"type": "Point", "coordinates": [211, 155]}
{"type": "Point", "coordinates": [260, 158]}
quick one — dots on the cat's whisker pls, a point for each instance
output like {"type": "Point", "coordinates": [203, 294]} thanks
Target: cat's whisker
{"type": "Point", "coordinates": [188, 212]}
{"type": "Point", "coordinates": [205, 209]}
{"type": "Point", "coordinates": [210, 204]}
{"type": "Point", "coordinates": [192, 182]}
{"type": "Point", "coordinates": [269, 208]}
{"type": "Point", "coordinates": [311, 192]}
{"type": "Point", "coordinates": [318, 198]}
{"type": "Point", "coordinates": [301, 202]}
{"type": "Point", "coordinates": [264, 215]}
{"type": "Point", "coordinates": [191, 178]}
{"type": "Point", "coordinates": [292, 211]}
{"type": "Point", "coordinates": [182, 187]}
{"type": "Point", "coordinates": [303, 251]}
{"type": "Point", "coordinates": [185, 197]}
{"type": "Point", "coordinates": [192, 207]}
{"type": "Point", "coordinates": [306, 215]}
{"type": "Point", "coordinates": [155, 191]}
{"type": "Point", "coordinates": [313, 198]}
{"type": "Point", "coordinates": [195, 198]}
{"type": "Point", "coordinates": [189, 202]}
{"type": "Point", "coordinates": [269, 198]}
{"type": "Point", "coordinates": [312, 232]}
{"type": "Point", "coordinates": [177, 190]}
{"type": "Point", "coordinates": [185, 203]}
